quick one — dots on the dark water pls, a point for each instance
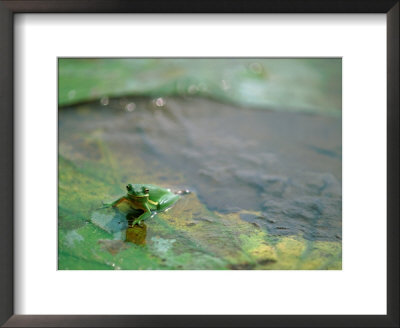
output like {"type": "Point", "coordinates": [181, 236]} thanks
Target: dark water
{"type": "Point", "coordinates": [286, 166]}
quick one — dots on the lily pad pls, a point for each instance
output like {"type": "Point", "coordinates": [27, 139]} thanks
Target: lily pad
{"type": "Point", "coordinates": [296, 85]}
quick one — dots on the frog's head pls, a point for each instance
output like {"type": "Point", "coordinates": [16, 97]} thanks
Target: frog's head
{"type": "Point", "coordinates": [137, 190]}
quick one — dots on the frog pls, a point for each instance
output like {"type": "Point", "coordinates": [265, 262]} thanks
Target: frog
{"type": "Point", "coordinates": [147, 198]}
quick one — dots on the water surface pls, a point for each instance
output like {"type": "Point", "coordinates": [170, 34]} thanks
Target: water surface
{"type": "Point", "coordinates": [266, 185]}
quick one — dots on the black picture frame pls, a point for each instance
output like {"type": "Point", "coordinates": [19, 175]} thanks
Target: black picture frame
{"type": "Point", "coordinates": [7, 11]}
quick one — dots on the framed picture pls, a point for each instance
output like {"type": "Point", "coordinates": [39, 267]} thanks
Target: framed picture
{"type": "Point", "coordinates": [205, 164]}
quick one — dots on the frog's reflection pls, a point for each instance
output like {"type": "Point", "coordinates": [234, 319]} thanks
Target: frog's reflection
{"type": "Point", "coordinates": [136, 234]}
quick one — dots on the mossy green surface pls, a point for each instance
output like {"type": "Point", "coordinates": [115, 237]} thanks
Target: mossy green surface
{"type": "Point", "coordinates": [187, 236]}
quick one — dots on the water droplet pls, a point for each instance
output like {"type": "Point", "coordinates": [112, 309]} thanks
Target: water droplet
{"type": "Point", "coordinates": [159, 102]}
{"type": "Point", "coordinates": [130, 107]}
{"type": "Point", "coordinates": [193, 89]}
{"type": "Point", "coordinates": [225, 85]}
{"type": "Point", "coordinates": [104, 101]}
{"type": "Point", "coordinates": [256, 68]}
{"type": "Point", "coordinates": [71, 94]}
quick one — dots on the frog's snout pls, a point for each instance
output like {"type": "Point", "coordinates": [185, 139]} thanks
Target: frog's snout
{"type": "Point", "coordinates": [129, 187]}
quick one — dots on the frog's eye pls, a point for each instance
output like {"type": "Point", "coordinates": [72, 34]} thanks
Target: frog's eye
{"type": "Point", "coordinates": [146, 191]}
{"type": "Point", "coordinates": [129, 187]}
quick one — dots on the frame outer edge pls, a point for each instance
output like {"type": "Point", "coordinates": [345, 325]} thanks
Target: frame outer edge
{"type": "Point", "coordinates": [7, 173]}
{"type": "Point", "coordinates": [393, 147]}
{"type": "Point", "coordinates": [6, 164]}
{"type": "Point", "coordinates": [205, 6]}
